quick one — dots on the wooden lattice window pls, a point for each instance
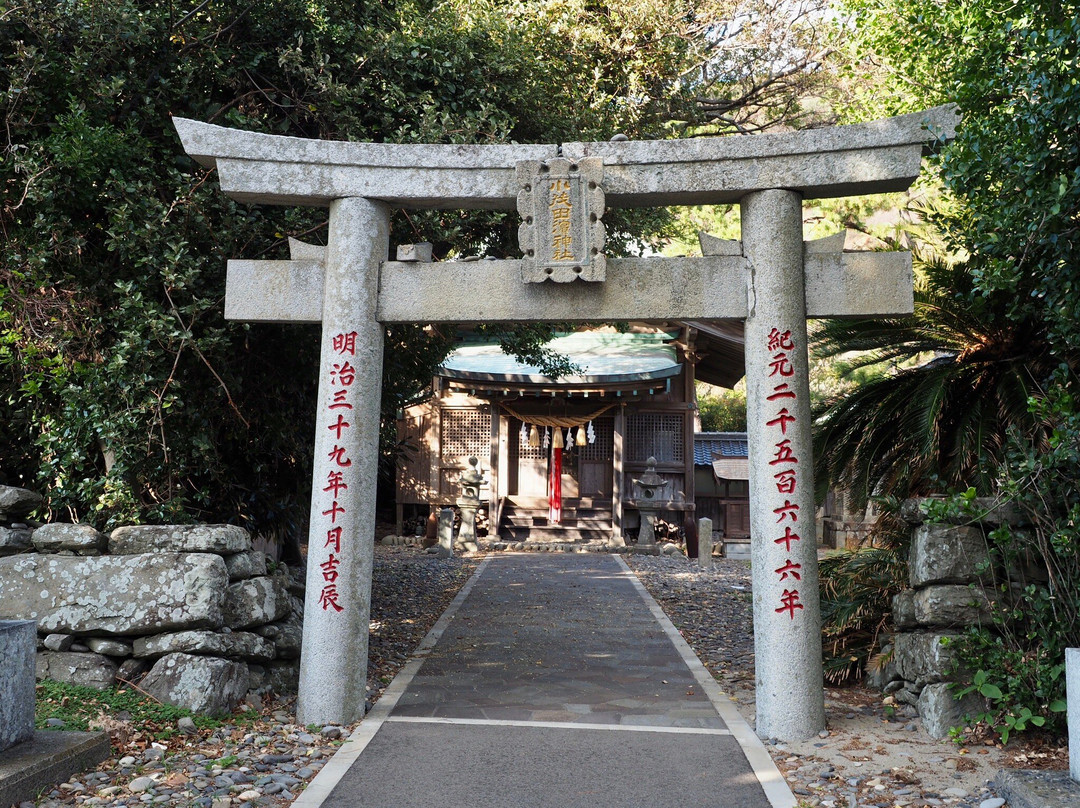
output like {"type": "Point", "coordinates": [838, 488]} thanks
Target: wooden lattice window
{"type": "Point", "coordinates": [654, 434]}
{"type": "Point", "coordinates": [465, 433]}
{"type": "Point", "coordinates": [527, 452]}
{"type": "Point", "coordinates": [603, 447]}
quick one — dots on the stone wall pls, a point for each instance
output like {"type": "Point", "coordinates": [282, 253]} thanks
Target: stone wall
{"type": "Point", "coordinates": [947, 569]}
{"type": "Point", "coordinates": [191, 613]}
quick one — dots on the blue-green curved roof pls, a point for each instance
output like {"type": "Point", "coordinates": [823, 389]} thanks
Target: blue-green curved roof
{"type": "Point", "coordinates": [607, 357]}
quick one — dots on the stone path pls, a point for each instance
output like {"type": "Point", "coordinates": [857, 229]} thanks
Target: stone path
{"type": "Point", "coordinates": [552, 681]}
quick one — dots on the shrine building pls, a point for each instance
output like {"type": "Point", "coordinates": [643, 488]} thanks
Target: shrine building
{"type": "Point", "coordinates": [630, 398]}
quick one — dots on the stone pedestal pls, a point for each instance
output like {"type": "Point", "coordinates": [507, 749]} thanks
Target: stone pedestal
{"type": "Point", "coordinates": [18, 642]}
{"type": "Point", "coordinates": [787, 619]}
{"type": "Point", "coordinates": [333, 666]}
{"type": "Point", "coordinates": [705, 543]}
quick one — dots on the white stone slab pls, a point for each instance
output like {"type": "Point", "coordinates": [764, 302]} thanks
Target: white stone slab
{"type": "Point", "coordinates": [1072, 695]}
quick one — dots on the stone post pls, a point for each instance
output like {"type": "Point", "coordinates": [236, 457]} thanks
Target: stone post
{"type": "Point", "coordinates": [704, 555]}
{"type": "Point", "coordinates": [334, 655]}
{"type": "Point", "coordinates": [18, 641]}
{"type": "Point", "coordinates": [445, 547]}
{"type": "Point", "coordinates": [787, 618]}
{"type": "Point", "coordinates": [1072, 697]}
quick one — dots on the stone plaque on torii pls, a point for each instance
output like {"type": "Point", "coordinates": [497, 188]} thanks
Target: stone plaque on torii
{"type": "Point", "coordinates": [769, 279]}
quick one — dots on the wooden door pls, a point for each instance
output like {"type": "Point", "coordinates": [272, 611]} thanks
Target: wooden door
{"type": "Point", "coordinates": [595, 461]}
{"type": "Point", "coordinates": [532, 469]}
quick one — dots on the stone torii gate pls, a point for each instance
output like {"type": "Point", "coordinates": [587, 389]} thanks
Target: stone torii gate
{"type": "Point", "coordinates": [769, 279]}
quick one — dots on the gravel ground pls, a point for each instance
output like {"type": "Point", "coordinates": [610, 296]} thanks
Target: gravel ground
{"type": "Point", "coordinates": [267, 761]}
{"type": "Point", "coordinates": [865, 759]}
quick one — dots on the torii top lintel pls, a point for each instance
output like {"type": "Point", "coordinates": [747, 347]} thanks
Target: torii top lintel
{"type": "Point", "coordinates": [874, 157]}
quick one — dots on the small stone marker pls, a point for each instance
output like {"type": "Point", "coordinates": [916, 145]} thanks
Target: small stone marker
{"type": "Point", "coordinates": [704, 555]}
{"type": "Point", "coordinates": [445, 547]}
{"type": "Point", "coordinates": [1072, 696]}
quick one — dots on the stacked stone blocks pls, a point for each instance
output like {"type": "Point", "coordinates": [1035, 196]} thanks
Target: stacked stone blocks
{"type": "Point", "coordinates": [948, 576]}
{"type": "Point", "coordinates": [192, 608]}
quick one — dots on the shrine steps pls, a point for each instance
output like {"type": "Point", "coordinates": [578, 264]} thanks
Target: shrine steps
{"type": "Point", "coordinates": [594, 546]}
{"type": "Point", "coordinates": [527, 520]}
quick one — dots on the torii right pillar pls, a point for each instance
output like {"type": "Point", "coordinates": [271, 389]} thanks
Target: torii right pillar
{"type": "Point", "coordinates": [787, 615]}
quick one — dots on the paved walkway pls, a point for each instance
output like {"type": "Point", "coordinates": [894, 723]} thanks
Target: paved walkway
{"type": "Point", "coordinates": [552, 681]}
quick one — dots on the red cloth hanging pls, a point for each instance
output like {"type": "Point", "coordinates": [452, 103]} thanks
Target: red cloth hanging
{"type": "Point", "coordinates": [555, 487]}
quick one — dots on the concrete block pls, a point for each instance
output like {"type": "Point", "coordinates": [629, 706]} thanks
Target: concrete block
{"type": "Point", "coordinates": [15, 540]}
{"type": "Point", "coordinates": [46, 759]}
{"type": "Point", "coordinates": [76, 668]}
{"type": "Point", "coordinates": [1025, 788]}
{"type": "Point", "coordinates": [17, 501]}
{"type": "Point", "coordinates": [220, 539]}
{"type": "Point", "coordinates": [950, 605]}
{"type": "Point", "coordinates": [416, 253]}
{"type": "Point", "coordinates": [737, 549]}
{"type": "Point", "coordinates": [903, 610]}
{"type": "Point", "coordinates": [201, 684]}
{"type": "Point", "coordinates": [924, 658]}
{"type": "Point", "coordinates": [81, 539]}
{"type": "Point", "coordinates": [18, 639]}
{"type": "Point", "coordinates": [941, 711]}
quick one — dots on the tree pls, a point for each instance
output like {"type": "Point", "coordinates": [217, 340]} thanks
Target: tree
{"type": "Point", "coordinates": [961, 377]}
{"type": "Point", "coordinates": [722, 410]}
{"type": "Point", "coordinates": [1014, 175]}
{"type": "Point", "coordinates": [127, 396]}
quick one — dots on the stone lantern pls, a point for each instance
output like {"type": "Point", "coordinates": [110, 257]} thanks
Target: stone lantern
{"type": "Point", "coordinates": [468, 503]}
{"type": "Point", "coordinates": [650, 492]}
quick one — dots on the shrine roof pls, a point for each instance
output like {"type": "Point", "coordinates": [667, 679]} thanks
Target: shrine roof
{"type": "Point", "coordinates": [711, 446]}
{"type": "Point", "coordinates": [604, 357]}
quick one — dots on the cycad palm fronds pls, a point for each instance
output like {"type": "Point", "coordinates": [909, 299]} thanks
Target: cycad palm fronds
{"type": "Point", "coordinates": [936, 424]}
{"type": "Point", "coordinates": [857, 588]}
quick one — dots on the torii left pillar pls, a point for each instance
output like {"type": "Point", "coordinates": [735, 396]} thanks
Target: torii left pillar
{"type": "Point", "coordinates": [337, 608]}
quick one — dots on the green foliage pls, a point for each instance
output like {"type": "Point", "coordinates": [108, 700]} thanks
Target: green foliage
{"type": "Point", "coordinates": [81, 708]}
{"type": "Point", "coordinates": [962, 375]}
{"type": "Point", "coordinates": [127, 396]}
{"type": "Point", "coordinates": [1014, 176]}
{"type": "Point", "coordinates": [856, 591]}
{"type": "Point", "coordinates": [1006, 713]}
{"type": "Point", "coordinates": [1036, 569]}
{"type": "Point", "coordinates": [722, 410]}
